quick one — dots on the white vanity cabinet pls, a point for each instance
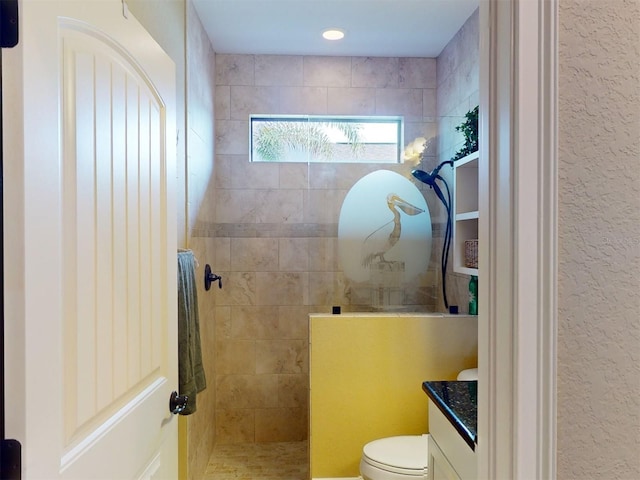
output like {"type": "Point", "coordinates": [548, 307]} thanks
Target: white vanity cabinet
{"type": "Point", "coordinates": [465, 209]}
{"type": "Point", "coordinates": [450, 457]}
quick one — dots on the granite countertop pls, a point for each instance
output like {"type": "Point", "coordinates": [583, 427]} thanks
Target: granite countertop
{"type": "Point", "coordinates": [458, 401]}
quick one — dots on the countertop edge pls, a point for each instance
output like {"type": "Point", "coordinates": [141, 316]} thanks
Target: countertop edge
{"type": "Point", "coordinates": [464, 432]}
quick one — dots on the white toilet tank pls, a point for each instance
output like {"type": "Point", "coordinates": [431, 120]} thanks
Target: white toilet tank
{"type": "Point", "coordinates": [469, 374]}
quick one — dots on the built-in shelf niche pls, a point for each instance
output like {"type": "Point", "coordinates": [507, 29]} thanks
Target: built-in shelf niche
{"type": "Point", "coordinates": [465, 210]}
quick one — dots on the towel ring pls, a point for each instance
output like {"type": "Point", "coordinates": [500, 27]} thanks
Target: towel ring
{"type": "Point", "coordinates": [210, 277]}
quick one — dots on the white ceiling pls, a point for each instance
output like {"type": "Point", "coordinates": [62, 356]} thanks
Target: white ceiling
{"type": "Point", "coordinates": [382, 28]}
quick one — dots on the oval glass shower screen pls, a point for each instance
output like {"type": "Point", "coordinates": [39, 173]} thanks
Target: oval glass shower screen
{"type": "Point", "coordinates": [384, 232]}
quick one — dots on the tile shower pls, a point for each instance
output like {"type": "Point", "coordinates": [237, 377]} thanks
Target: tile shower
{"type": "Point", "coordinates": [271, 230]}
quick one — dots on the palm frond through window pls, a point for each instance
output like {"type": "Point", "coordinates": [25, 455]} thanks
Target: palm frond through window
{"type": "Point", "coordinates": [325, 139]}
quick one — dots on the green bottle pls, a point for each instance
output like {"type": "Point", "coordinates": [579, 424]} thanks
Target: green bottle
{"type": "Point", "coordinates": [473, 295]}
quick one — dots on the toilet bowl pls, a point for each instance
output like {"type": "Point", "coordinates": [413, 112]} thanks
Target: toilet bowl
{"type": "Point", "coordinates": [396, 458]}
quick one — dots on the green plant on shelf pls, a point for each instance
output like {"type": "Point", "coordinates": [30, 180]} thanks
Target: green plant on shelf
{"type": "Point", "coordinates": [469, 129]}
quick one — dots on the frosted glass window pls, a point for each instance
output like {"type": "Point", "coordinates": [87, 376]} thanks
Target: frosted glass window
{"type": "Point", "coordinates": [328, 139]}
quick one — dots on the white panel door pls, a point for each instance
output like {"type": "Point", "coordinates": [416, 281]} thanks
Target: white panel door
{"type": "Point", "coordinates": [90, 232]}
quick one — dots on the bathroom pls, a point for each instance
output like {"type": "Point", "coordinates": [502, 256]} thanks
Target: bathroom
{"type": "Point", "coordinates": [557, 323]}
{"type": "Point", "coordinates": [270, 230]}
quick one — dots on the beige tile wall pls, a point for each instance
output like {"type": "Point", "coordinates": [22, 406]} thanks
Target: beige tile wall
{"type": "Point", "coordinates": [458, 92]}
{"type": "Point", "coordinates": [200, 65]}
{"type": "Point", "coordinates": [272, 229]}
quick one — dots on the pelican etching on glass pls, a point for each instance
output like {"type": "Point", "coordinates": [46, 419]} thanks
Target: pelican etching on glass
{"type": "Point", "coordinates": [384, 235]}
{"type": "Point", "coordinates": [384, 238]}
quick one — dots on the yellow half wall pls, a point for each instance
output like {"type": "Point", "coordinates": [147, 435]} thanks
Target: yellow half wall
{"type": "Point", "coordinates": [366, 374]}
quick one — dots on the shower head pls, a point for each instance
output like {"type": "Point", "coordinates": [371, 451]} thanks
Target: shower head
{"type": "Point", "coordinates": [430, 178]}
{"type": "Point", "coordinates": [423, 176]}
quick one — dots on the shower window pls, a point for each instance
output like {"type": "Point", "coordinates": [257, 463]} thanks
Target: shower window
{"type": "Point", "coordinates": [326, 139]}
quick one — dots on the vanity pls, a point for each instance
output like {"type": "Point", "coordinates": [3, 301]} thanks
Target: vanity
{"type": "Point", "coordinates": [453, 414]}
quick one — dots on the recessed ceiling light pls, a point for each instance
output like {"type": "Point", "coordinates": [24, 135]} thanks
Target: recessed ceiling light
{"type": "Point", "coordinates": [333, 34]}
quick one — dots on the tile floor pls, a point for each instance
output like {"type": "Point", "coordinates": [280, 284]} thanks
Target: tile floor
{"type": "Point", "coordinates": [259, 461]}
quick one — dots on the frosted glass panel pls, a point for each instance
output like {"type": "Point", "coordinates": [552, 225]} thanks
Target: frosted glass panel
{"type": "Point", "coordinates": [384, 237]}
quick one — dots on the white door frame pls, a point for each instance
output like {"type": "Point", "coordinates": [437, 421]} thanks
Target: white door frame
{"type": "Point", "coordinates": [518, 197]}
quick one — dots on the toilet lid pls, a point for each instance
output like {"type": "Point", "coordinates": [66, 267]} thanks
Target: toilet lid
{"type": "Point", "coordinates": [404, 452]}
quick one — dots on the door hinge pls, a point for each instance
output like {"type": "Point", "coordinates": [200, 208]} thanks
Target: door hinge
{"type": "Point", "coordinates": [10, 460]}
{"type": "Point", "coordinates": [8, 23]}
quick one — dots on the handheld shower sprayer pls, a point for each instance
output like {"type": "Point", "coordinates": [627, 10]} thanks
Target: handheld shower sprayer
{"type": "Point", "coordinates": [430, 179]}
{"type": "Point", "coordinates": [469, 128]}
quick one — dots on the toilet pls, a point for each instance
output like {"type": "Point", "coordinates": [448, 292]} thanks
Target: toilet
{"type": "Point", "coordinates": [402, 457]}
{"type": "Point", "coordinates": [469, 374]}
{"type": "Point", "coordinates": [395, 458]}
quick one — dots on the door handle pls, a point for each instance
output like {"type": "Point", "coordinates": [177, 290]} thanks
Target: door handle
{"type": "Point", "coordinates": [177, 403]}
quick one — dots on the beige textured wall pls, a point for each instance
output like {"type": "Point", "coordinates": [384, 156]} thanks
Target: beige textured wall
{"type": "Point", "coordinates": [599, 240]}
{"type": "Point", "coordinates": [273, 228]}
